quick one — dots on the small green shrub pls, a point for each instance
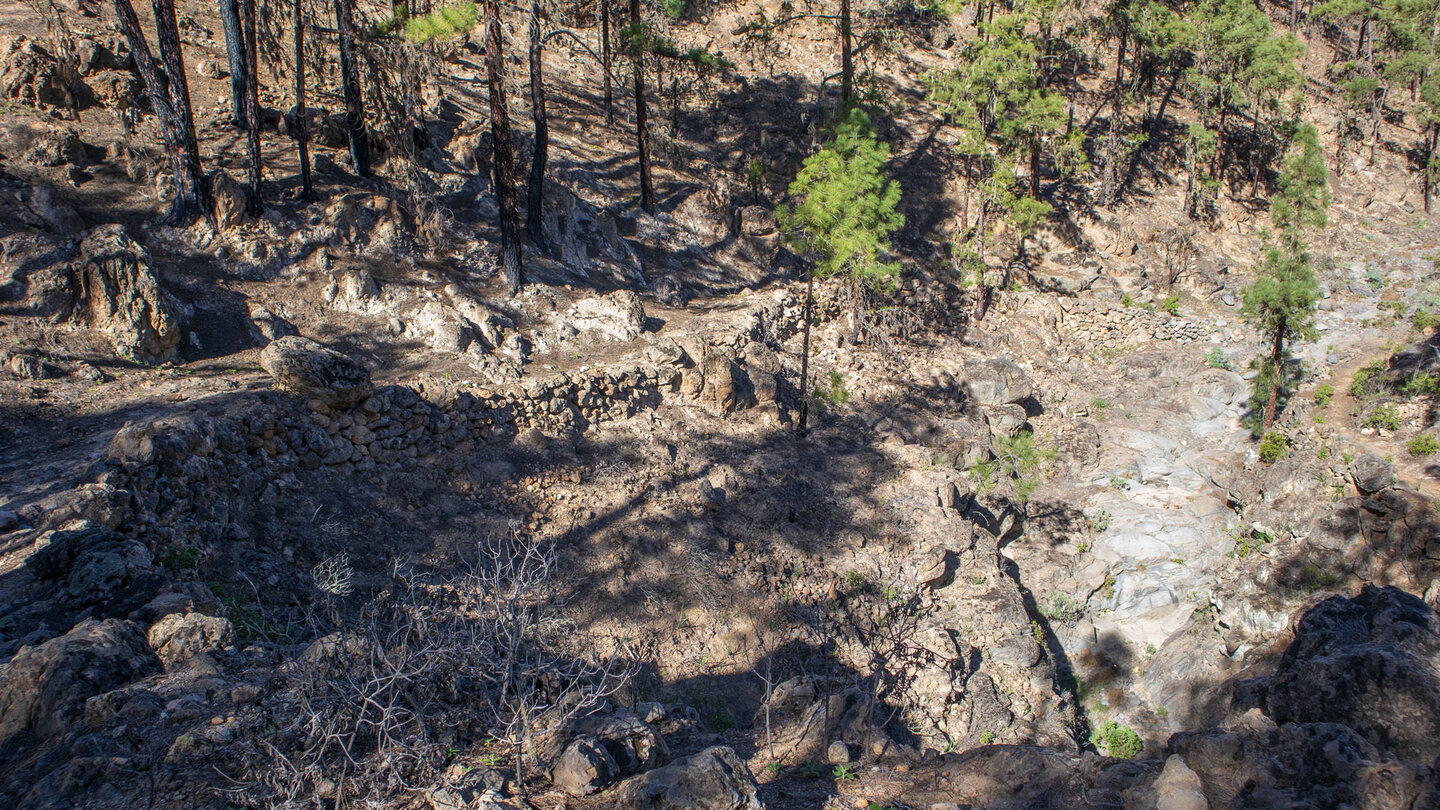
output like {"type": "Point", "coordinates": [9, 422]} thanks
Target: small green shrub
{"type": "Point", "coordinates": [1116, 482]}
{"type": "Point", "coordinates": [1360, 383]}
{"type": "Point", "coordinates": [844, 772]}
{"type": "Point", "coordinates": [443, 23]}
{"type": "Point", "coordinates": [1061, 607]}
{"type": "Point", "coordinates": [1272, 447]}
{"type": "Point", "coordinates": [1116, 740]}
{"type": "Point", "coordinates": [1424, 384]}
{"type": "Point", "coordinates": [1424, 320]}
{"type": "Point", "coordinates": [1422, 445]}
{"type": "Point", "coordinates": [1126, 300]}
{"type": "Point", "coordinates": [180, 558]}
{"type": "Point", "coordinates": [1171, 304]}
{"type": "Point", "coordinates": [674, 9]}
{"type": "Point", "coordinates": [987, 736]}
{"type": "Point", "coordinates": [1098, 405]}
{"type": "Point", "coordinates": [1217, 358]}
{"type": "Point", "coordinates": [836, 394]}
{"type": "Point", "coordinates": [1161, 711]}
{"type": "Point", "coordinates": [1384, 417]}
{"type": "Point", "coordinates": [1323, 394]}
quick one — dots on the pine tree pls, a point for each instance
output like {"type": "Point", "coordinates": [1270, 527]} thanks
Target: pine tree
{"type": "Point", "coordinates": [1281, 302]}
{"type": "Point", "coordinates": [848, 206]}
{"type": "Point", "coordinates": [847, 211]}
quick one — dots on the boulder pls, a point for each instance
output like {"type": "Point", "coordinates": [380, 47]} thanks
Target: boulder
{"type": "Point", "coordinates": [177, 638]}
{"type": "Point", "coordinates": [713, 779]}
{"type": "Point", "coordinates": [1371, 662]}
{"type": "Point", "coordinates": [304, 367]}
{"type": "Point", "coordinates": [32, 76]}
{"type": "Point", "coordinates": [584, 767]}
{"type": "Point", "coordinates": [266, 325]}
{"type": "Point", "coordinates": [1005, 420]}
{"type": "Point", "coordinates": [582, 237]}
{"type": "Point", "coordinates": [617, 315]}
{"type": "Point", "coordinates": [231, 199]}
{"type": "Point", "coordinates": [45, 203]}
{"type": "Point", "coordinates": [1372, 473]}
{"type": "Point", "coordinates": [120, 295]}
{"type": "Point", "coordinates": [806, 721]}
{"type": "Point", "coordinates": [997, 382]}
{"type": "Point", "coordinates": [719, 381]}
{"type": "Point", "coordinates": [43, 689]}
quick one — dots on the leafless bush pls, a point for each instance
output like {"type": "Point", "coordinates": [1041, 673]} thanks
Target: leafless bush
{"type": "Point", "coordinates": [431, 664]}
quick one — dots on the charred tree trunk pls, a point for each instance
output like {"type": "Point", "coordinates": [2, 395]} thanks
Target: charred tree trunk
{"type": "Point", "coordinates": [302, 135]}
{"type": "Point", "coordinates": [502, 159]}
{"type": "Point", "coordinates": [1426, 167]}
{"type": "Point", "coordinates": [647, 191]}
{"type": "Point", "coordinates": [1277, 352]}
{"type": "Point", "coordinates": [605, 61]}
{"type": "Point", "coordinates": [235, 52]}
{"type": "Point", "coordinates": [255, 205]}
{"type": "Point", "coordinates": [535, 193]}
{"type": "Point", "coordinates": [171, 102]}
{"type": "Point", "coordinates": [847, 59]}
{"type": "Point", "coordinates": [802, 425]}
{"type": "Point", "coordinates": [350, 84]}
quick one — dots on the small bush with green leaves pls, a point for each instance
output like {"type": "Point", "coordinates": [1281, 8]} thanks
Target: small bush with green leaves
{"type": "Point", "coordinates": [1217, 358]}
{"type": "Point", "coordinates": [1323, 394]}
{"type": "Point", "coordinates": [443, 23]}
{"type": "Point", "coordinates": [1360, 383]}
{"type": "Point", "coordinates": [836, 394]}
{"type": "Point", "coordinates": [1126, 300]}
{"type": "Point", "coordinates": [1171, 304]}
{"type": "Point", "coordinates": [1424, 320]}
{"type": "Point", "coordinates": [1272, 447]}
{"type": "Point", "coordinates": [1116, 740]}
{"type": "Point", "coordinates": [1422, 445]}
{"type": "Point", "coordinates": [1384, 417]}
{"type": "Point", "coordinates": [844, 772]}
{"type": "Point", "coordinates": [1061, 607]}
{"type": "Point", "coordinates": [674, 9]}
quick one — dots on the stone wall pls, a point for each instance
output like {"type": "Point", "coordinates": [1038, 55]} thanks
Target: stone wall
{"type": "Point", "coordinates": [1105, 325]}
{"type": "Point", "coordinates": [194, 478]}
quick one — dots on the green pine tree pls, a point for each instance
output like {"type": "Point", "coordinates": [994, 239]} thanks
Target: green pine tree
{"type": "Point", "coordinates": [848, 206]}
{"type": "Point", "coordinates": [847, 210]}
{"type": "Point", "coordinates": [1281, 302]}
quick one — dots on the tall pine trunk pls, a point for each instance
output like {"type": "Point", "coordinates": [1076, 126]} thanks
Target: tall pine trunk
{"type": "Point", "coordinates": [642, 138]}
{"type": "Point", "coordinates": [802, 425]}
{"type": "Point", "coordinates": [235, 52]}
{"type": "Point", "coordinates": [502, 156]}
{"type": "Point", "coordinates": [535, 193]}
{"type": "Point", "coordinates": [847, 59]}
{"type": "Point", "coordinates": [170, 100]}
{"type": "Point", "coordinates": [255, 205]}
{"type": "Point", "coordinates": [301, 132]}
{"type": "Point", "coordinates": [1425, 167]}
{"type": "Point", "coordinates": [605, 60]}
{"type": "Point", "coordinates": [1277, 351]}
{"type": "Point", "coordinates": [350, 84]}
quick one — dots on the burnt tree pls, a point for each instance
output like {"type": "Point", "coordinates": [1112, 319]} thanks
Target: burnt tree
{"type": "Point", "coordinates": [502, 160]}
{"type": "Point", "coordinates": [605, 60]}
{"type": "Point", "coordinates": [350, 84]}
{"type": "Point", "coordinates": [235, 51]}
{"type": "Point", "coordinates": [535, 192]}
{"type": "Point", "coordinates": [255, 204]}
{"type": "Point", "coordinates": [169, 96]}
{"type": "Point", "coordinates": [637, 54]}
{"type": "Point", "coordinates": [302, 136]}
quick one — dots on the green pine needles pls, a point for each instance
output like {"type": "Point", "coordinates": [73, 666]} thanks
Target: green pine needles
{"type": "Point", "coordinates": [848, 206]}
{"type": "Point", "coordinates": [443, 23]}
{"type": "Point", "coordinates": [1281, 302]}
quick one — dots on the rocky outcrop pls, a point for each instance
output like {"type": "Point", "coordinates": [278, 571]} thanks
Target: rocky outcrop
{"type": "Point", "coordinates": [302, 366]}
{"type": "Point", "coordinates": [177, 638]}
{"type": "Point", "coordinates": [714, 779]}
{"type": "Point", "coordinates": [44, 688]}
{"type": "Point", "coordinates": [1371, 663]}
{"type": "Point", "coordinates": [618, 315]}
{"type": "Point", "coordinates": [997, 382]}
{"type": "Point", "coordinates": [120, 295]}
